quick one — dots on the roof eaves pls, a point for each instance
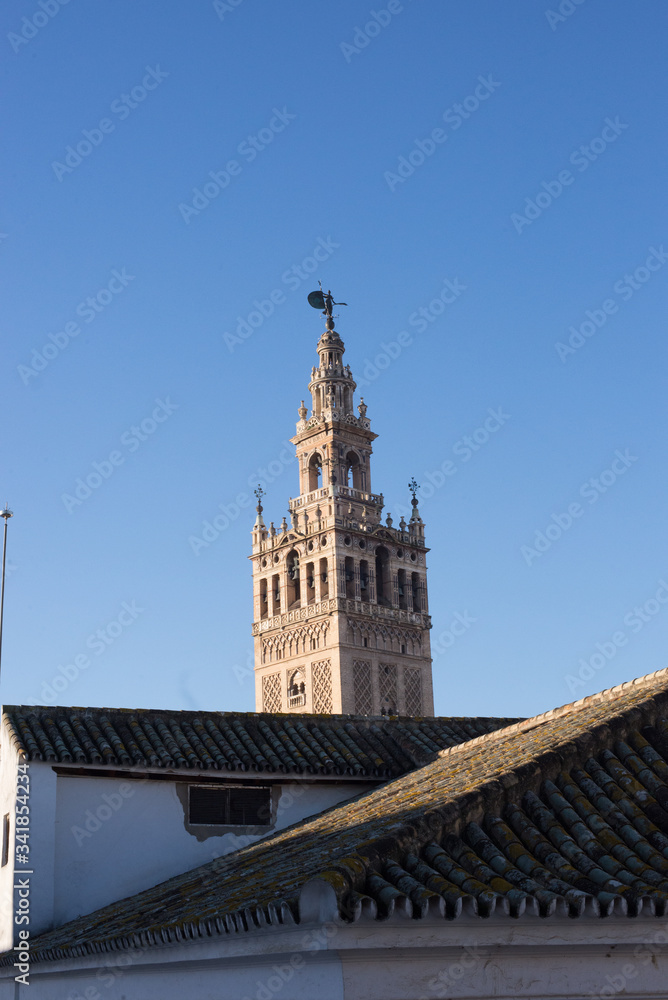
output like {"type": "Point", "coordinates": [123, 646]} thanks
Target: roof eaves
{"type": "Point", "coordinates": [420, 826]}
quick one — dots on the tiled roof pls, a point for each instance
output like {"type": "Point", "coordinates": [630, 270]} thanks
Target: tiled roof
{"type": "Point", "coordinates": [236, 741]}
{"type": "Point", "coordinates": [564, 813]}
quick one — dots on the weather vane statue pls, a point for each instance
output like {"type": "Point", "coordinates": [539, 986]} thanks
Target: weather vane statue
{"type": "Point", "coordinates": [323, 301]}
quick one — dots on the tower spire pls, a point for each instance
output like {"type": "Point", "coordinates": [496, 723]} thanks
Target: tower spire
{"type": "Point", "coordinates": [341, 614]}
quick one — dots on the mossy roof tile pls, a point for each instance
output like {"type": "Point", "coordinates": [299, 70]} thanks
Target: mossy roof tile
{"type": "Point", "coordinates": [236, 741]}
{"type": "Point", "coordinates": [543, 816]}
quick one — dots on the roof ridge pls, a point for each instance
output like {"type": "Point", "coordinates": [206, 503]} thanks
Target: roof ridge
{"type": "Point", "coordinates": [349, 717]}
{"type": "Point", "coordinates": [333, 744]}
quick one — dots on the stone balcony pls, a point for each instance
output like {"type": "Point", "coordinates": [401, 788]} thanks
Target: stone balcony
{"type": "Point", "coordinates": [346, 604]}
{"type": "Point", "coordinates": [335, 492]}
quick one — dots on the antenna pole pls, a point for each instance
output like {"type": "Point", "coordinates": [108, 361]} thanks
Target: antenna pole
{"type": "Point", "coordinates": [6, 513]}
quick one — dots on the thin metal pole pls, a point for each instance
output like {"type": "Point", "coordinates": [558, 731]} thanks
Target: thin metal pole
{"type": "Point", "coordinates": [6, 513]}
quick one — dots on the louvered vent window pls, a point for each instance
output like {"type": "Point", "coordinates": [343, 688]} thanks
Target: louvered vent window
{"type": "Point", "coordinates": [210, 806]}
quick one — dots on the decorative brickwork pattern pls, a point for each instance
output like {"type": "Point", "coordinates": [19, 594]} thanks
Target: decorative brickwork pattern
{"type": "Point", "coordinates": [413, 691]}
{"type": "Point", "coordinates": [362, 687]}
{"type": "Point", "coordinates": [321, 673]}
{"type": "Point", "coordinates": [295, 641]}
{"type": "Point", "coordinates": [380, 635]}
{"type": "Point", "coordinates": [271, 693]}
{"type": "Point", "coordinates": [387, 676]}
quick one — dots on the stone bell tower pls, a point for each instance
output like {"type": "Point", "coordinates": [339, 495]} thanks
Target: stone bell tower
{"type": "Point", "coordinates": [341, 622]}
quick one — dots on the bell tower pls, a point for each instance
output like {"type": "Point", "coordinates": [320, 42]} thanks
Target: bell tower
{"type": "Point", "coordinates": [341, 620]}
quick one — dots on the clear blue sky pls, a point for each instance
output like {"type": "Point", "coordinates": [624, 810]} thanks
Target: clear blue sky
{"type": "Point", "coordinates": [540, 198]}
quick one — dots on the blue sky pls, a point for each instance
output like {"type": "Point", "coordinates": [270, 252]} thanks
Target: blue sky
{"type": "Point", "coordinates": [483, 183]}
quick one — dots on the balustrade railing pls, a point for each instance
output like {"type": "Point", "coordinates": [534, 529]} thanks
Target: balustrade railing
{"type": "Point", "coordinates": [341, 604]}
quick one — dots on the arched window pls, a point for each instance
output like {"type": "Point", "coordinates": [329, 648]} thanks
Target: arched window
{"type": "Point", "coordinates": [364, 579]}
{"type": "Point", "coordinates": [296, 689]}
{"type": "Point", "coordinates": [403, 590]}
{"type": "Point", "coordinates": [324, 579]}
{"type": "Point", "coordinates": [310, 583]}
{"type": "Point", "coordinates": [350, 577]}
{"type": "Point", "coordinates": [416, 587]}
{"type": "Point", "coordinates": [353, 471]}
{"type": "Point", "coordinates": [383, 583]}
{"type": "Point", "coordinates": [293, 581]}
{"type": "Point", "coordinates": [314, 472]}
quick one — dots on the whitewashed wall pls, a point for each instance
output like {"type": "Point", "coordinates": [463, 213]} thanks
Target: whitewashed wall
{"type": "Point", "coordinates": [144, 840]}
{"type": "Point", "coordinates": [468, 959]}
{"type": "Point", "coordinates": [95, 840]}
{"type": "Point", "coordinates": [42, 805]}
{"type": "Point", "coordinates": [8, 762]}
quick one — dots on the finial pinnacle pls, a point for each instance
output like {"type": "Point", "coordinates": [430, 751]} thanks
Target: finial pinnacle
{"type": "Point", "coordinates": [415, 516]}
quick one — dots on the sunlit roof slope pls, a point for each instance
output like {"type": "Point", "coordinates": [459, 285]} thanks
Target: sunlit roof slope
{"type": "Point", "coordinates": [565, 813]}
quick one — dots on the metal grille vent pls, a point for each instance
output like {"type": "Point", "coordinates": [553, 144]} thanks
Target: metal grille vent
{"type": "Point", "coordinates": [229, 806]}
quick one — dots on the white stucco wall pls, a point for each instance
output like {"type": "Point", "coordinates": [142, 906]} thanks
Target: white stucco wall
{"type": "Point", "coordinates": [42, 815]}
{"type": "Point", "coordinates": [467, 959]}
{"type": "Point", "coordinates": [8, 762]}
{"type": "Point", "coordinates": [95, 840]}
{"type": "Point", "coordinates": [116, 837]}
